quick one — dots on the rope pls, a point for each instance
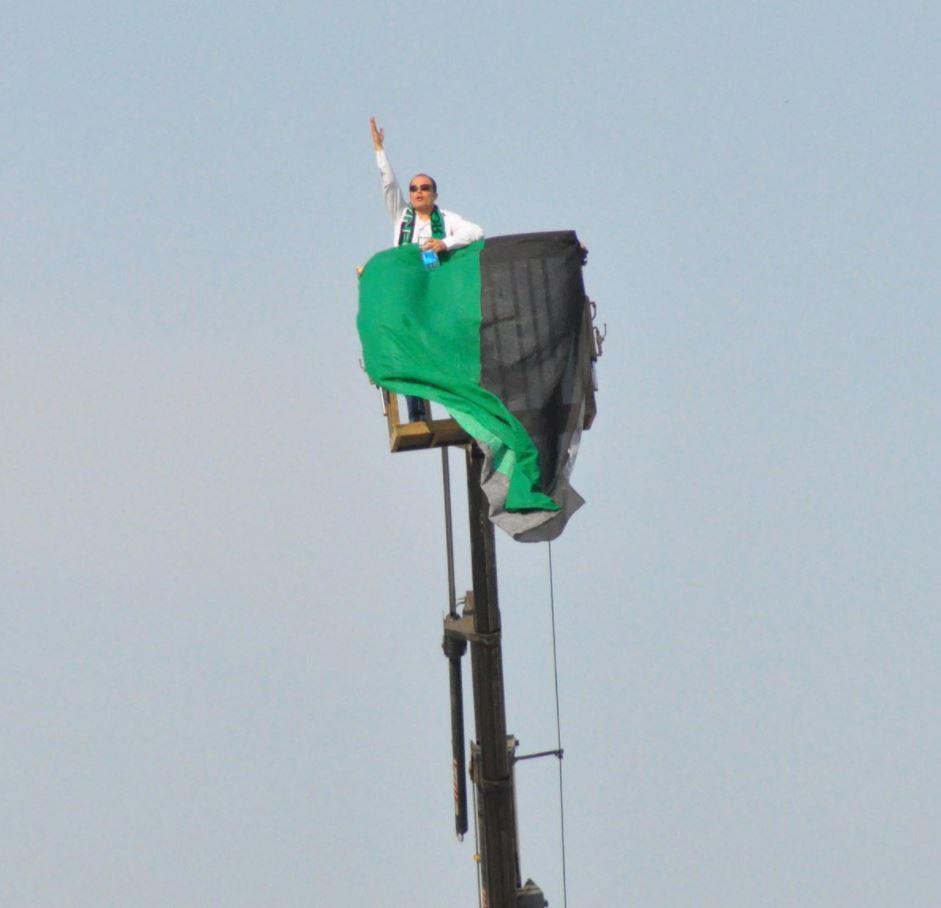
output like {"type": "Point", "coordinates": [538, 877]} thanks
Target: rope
{"type": "Point", "coordinates": [558, 727]}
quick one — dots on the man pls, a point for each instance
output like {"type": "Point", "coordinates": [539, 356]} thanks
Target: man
{"type": "Point", "coordinates": [420, 220]}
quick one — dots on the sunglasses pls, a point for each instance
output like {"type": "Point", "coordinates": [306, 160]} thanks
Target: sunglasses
{"type": "Point", "coordinates": [425, 187]}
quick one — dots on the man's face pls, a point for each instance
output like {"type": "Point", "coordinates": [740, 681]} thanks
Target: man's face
{"type": "Point", "coordinates": [420, 193]}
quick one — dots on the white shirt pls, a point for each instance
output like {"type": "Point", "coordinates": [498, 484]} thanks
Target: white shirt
{"type": "Point", "coordinates": [457, 231]}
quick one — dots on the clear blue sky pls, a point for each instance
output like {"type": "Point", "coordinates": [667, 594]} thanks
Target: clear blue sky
{"type": "Point", "coordinates": [221, 597]}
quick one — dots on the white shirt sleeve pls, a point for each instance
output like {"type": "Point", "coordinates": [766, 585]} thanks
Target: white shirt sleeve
{"type": "Point", "coordinates": [460, 232]}
{"type": "Point", "coordinates": [391, 193]}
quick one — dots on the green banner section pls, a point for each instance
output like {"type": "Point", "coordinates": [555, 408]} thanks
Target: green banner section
{"type": "Point", "coordinates": [420, 332]}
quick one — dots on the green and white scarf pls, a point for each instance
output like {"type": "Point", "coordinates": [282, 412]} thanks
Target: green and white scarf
{"type": "Point", "coordinates": [408, 225]}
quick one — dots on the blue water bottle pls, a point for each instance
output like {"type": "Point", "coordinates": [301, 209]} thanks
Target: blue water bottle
{"type": "Point", "coordinates": [429, 258]}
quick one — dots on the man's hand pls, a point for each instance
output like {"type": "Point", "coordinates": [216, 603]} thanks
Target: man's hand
{"type": "Point", "coordinates": [437, 245]}
{"type": "Point", "coordinates": [377, 134]}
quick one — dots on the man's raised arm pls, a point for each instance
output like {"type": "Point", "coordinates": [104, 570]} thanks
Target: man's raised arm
{"type": "Point", "coordinates": [378, 135]}
{"type": "Point", "coordinates": [391, 193]}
